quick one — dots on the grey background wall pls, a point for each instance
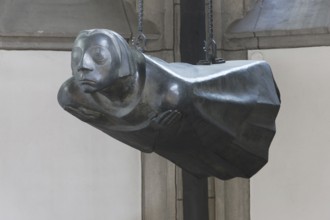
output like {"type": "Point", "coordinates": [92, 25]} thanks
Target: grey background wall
{"type": "Point", "coordinates": [295, 183]}
{"type": "Point", "coordinates": [53, 166]}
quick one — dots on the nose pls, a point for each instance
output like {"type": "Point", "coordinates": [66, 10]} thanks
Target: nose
{"type": "Point", "coordinates": [85, 65]}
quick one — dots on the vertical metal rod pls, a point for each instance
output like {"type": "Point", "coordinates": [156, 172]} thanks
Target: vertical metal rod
{"type": "Point", "coordinates": [192, 37]}
{"type": "Point", "coordinates": [192, 33]}
{"type": "Point", "coordinates": [195, 197]}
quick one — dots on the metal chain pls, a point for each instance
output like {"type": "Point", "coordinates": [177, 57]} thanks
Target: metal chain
{"type": "Point", "coordinates": [140, 18]}
{"type": "Point", "coordinates": [210, 19]}
{"type": "Point", "coordinates": [139, 41]}
{"type": "Point", "coordinates": [210, 47]}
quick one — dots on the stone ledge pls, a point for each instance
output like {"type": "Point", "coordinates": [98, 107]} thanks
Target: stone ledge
{"type": "Point", "coordinates": [289, 41]}
{"type": "Point", "coordinates": [29, 24]}
{"type": "Point", "coordinates": [281, 23]}
{"type": "Point", "coordinates": [36, 43]}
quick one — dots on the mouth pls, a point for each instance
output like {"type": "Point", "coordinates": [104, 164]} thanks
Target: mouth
{"type": "Point", "coordinates": [87, 82]}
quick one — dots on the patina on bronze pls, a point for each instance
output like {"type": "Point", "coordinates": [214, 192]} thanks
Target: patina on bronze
{"type": "Point", "coordinates": [214, 120]}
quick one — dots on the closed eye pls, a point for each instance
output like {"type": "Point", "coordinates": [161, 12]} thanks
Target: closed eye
{"type": "Point", "coordinates": [100, 54]}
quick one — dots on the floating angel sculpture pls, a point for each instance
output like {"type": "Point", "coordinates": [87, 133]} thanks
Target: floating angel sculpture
{"type": "Point", "coordinates": [211, 120]}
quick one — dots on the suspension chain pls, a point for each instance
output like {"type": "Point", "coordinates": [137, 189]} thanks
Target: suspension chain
{"type": "Point", "coordinates": [139, 41]}
{"type": "Point", "coordinates": [210, 19]}
{"type": "Point", "coordinates": [140, 14]}
{"type": "Point", "coordinates": [210, 46]}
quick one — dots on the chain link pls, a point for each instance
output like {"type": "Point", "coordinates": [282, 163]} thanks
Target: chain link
{"type": "Point", "coordinates": [210, 46]}
{"type": "Point", "coordinates": [139, 41]}
{"type": "Point", "coordinates": [140, 18]}
{"type": "Point", "coordinates": [210, 19]}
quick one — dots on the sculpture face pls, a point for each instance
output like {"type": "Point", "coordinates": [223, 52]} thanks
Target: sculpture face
{"type": "Point", "coordinates": [94, 62]}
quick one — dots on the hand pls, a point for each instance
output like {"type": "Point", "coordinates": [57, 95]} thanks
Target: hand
{"type": "Point", "coordinates": [167, 118]}
{"type": "Point", "coordinates": [83, 113]}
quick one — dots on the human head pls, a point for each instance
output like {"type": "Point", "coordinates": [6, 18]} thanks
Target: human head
{"type": "Point", "coordinates": [99, 58]}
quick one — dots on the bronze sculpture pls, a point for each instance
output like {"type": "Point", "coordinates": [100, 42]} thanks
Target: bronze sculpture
{"type": "Point", "coordinates": [214, 120]}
